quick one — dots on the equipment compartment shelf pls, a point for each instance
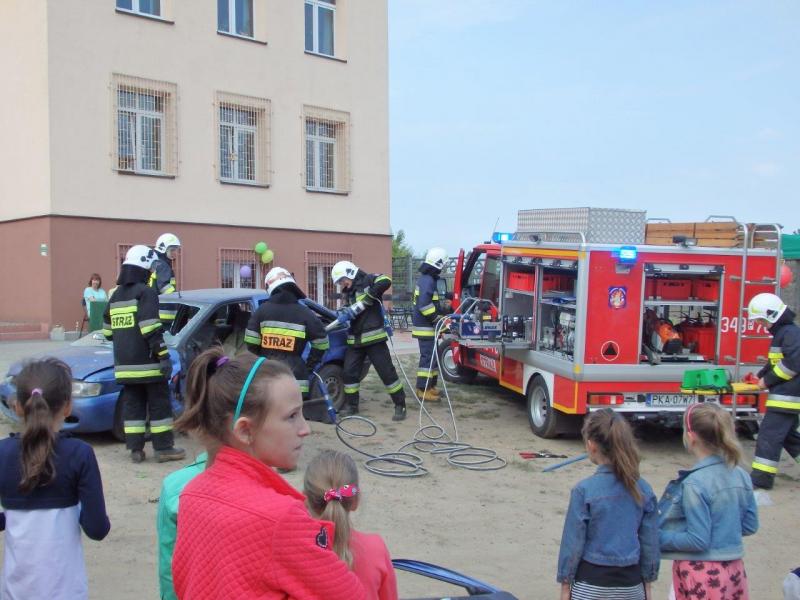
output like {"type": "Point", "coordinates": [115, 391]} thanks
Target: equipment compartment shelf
{"type": "Point", "coordinates": [523, 292]}
{"type": "Point", "coordinates": [699, 303]}
{"type": "Point", "coordinates": [559, 304]}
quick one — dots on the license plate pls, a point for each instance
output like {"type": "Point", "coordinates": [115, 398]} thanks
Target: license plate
{"type": "Point", "coordinates": [670, 399]}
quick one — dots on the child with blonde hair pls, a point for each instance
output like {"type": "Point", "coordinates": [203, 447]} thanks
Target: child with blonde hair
{"type": "Point", "coordinates": [332, 492]}
{"type": "Point", "coordinates": [705, 511]}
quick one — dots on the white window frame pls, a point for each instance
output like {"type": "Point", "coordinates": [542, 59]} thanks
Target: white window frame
{"type": "Point", "coordinates": [136, 10]}
{"type": "Point", "coordinates": [139, 114]}
{"type": "Point", "coordinates": [316, 5]}
{"type": "Point", "coordinates": [232, 21]}
{"type": "Point", "coordinates": [317, 140]}
{"type": "Point", "coordinates": [237, 128]}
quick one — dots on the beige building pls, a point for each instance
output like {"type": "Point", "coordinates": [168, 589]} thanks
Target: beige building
{"type": "Point", "coordinates": [226, 122]}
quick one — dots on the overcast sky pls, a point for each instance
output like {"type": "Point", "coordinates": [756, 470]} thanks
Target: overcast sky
{"type": "Point", "coordinates": [682, 108]}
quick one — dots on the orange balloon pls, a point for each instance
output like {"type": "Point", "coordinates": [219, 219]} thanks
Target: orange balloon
{"type": "Point", "coordinates": [786, 275]}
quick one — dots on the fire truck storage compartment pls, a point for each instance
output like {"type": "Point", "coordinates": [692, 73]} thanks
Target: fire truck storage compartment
{"type": "Point", "coordinates": [518, 304]}
{"type": "Point", "coordinates": [557, 312]}
{"type": "Point", "coordinates": [681, 313]}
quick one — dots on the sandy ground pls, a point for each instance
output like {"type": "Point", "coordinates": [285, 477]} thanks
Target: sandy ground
{"type": "Point", "coordinates": [503, 527]}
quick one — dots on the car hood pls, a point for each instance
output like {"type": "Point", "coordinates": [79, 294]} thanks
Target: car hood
{"type": "Point", "coordinates": [84, 361]}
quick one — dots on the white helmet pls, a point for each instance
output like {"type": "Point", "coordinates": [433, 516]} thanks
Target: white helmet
{"type": "Point", "coordinates": [766, 306]}
{"type": "Point", "coordinates": [165, 241]}
{"type": "Point", "coordinates": [436, 257]}
{"type": "Point", "coordinates": [276, 277]}
{"type": "Point", "coordinates": [140, 256]}
{"type": "Point", "coordinates": [343, 268]}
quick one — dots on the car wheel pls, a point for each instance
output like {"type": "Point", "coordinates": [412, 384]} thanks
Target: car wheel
{"type": "Point", "coordinates": [118, 427]}
{"type": "Point", "coordinates": [331, 375]}
{"type": "Point", "coordinates": [452, 371]}
{"type": "Point", "coordinates": [543, 418]}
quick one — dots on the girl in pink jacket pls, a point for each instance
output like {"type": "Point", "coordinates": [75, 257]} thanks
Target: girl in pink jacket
{"type": "Point", "coordinates": [243, 531]}
{"type": "Point", "coordinates": [332, 493]}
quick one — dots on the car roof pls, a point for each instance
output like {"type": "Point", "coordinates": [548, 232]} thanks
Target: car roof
{"type": "Point", "coordinates": [213, 295]}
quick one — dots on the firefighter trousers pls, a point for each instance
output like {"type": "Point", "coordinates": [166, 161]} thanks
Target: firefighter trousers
{"type": "Point", "coordinates": [427, 371]}
{"type": "Point", "coordinates": [143, 400]}
{"type": "Point", "coordinates": [380, 358]}
{"type": "Point", "coordinates": [778, 430]}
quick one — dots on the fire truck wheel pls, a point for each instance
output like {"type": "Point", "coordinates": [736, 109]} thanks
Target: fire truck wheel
{"type": "Point", "coordinates": [545, 421]}
{"type": "Point", "coordinates": [451, 371]}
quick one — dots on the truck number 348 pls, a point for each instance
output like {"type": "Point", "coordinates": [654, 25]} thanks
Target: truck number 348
{"type": "Point", "coordinates": [727, 324]}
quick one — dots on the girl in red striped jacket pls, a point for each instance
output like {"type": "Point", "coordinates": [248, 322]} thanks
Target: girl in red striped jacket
{"type": "Point", "coordinates": [243, 531]}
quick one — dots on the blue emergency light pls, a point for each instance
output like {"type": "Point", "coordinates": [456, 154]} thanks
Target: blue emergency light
{"type": "Point", "coordinates": [626, 254]}
{"type": "Point", "coordinates": [499, 238]}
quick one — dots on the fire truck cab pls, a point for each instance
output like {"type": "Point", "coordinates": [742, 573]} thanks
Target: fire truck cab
{"type": "Point", "coordinates": [577, 326]}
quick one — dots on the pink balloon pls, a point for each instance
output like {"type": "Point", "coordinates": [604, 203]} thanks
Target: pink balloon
{"type": "Point", "coordinates": [786, 276]}
{"type": "Point", "coordinates": [246, 272]}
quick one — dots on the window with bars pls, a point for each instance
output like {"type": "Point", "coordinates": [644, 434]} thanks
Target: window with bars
{"type": "Point", "coordinates": [177, 262]}
{"type": "Point", "coordinates": [320, 287]}
{"type": "Point", "coordinates": [145, 135]}
{"type": "Point", "coordinates": [320, 16]}
{"type": "Point", "coordinates": [243, 139]}
{"type": "Point", "coordinates": [150, 8]}
{"type": "Point", "coordinates": [235, 17]}
{"type": "Point", "coordinates": [241, 268]}
{"type": "Point", "coordinates": [327, 150]}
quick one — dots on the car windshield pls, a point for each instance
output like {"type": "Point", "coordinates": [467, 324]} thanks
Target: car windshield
{"type": "Point", "coordinates": [184, 313]}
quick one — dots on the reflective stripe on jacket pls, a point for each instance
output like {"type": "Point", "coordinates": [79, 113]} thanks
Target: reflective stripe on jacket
{"type": "Point", "coordinates": [782, 372]}
{"type": "Point", "coordinates": [426, 308]}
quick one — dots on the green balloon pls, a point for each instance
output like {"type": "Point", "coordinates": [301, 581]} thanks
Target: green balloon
{"type": "Point", "coordinates": [267, 257]}
{"type": "Point", "coordinates": [260, 247]}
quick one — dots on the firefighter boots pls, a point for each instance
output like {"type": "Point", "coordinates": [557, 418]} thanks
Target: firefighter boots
{"type": "Point", "coordinates": [137, 456]}
{"type": "Point", "coordinates": [170, 454]}
{"type": "Point", "coordinates": [348, 410]}
{"type": "Point", "coordinates": [399, 412]}
{"type": "Point", "coordinates": [432, 394]}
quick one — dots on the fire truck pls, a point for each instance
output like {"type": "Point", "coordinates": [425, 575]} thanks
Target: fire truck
{"type": "Point", "coordinates": [576, 326]}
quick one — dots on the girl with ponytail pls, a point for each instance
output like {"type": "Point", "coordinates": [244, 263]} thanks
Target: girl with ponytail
{"type": "Point", "coordinates": [50, 488]}
{"type": "Point", "coordinates": [609, 548]}
{"type": "Point", "coordinates": [332, 493]}
{"type": "Point", "coordinates": [243, 531]}
{"type": "Point", "coordinates": [705, 511]}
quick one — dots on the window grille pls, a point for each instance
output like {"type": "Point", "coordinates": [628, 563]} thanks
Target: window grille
{"type": "Point", "coordinates": [142, 7]}
{"type": "Point", "coordinates": [144, 132]}
{"type": "Point", "coordinates": [243, 139]}
{"type": "Point", "coordinates": [319, 286]}
{"type": "Point", "coordinates": [320, 17]}
{"type": "Point", "coordinates": [231, 266]}
{"type": "Point", "coordinates": [177, 263]}
{"type": "Point", "coordinates": [235, 17]}
{"type": "Point", "coordinates": [327, 149]}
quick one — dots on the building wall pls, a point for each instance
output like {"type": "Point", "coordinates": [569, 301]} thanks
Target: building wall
{"type": "Point", "coordinates": [24, 123]}
{"type": "Point", "coordinates": [78, 246]}
{"type": "Point", "coordinates": [88, 41]}
{"type": "Point", "coordinates": [27, 290]}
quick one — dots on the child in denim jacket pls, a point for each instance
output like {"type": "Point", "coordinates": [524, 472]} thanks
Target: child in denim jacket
{"type": "Point", "coordinates": [609, 548]}
{"type": "Point", "coordinates": [705, 511]}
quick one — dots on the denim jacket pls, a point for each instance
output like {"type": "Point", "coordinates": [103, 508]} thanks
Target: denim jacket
{"type": "Point", "coordinates": [704, 513]}
{"type": "Point", "coordinates": [605, 526]}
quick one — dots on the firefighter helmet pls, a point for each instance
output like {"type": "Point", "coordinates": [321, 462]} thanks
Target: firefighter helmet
{"type": "Point", "coordinates": [436, 257]}
{"type": "Point", "coordinates": [277, 277]}
{"type": "Point", "coordinates": [766, 306]}
{"type": "Point", "coordinates": [140, 256]}
{"type": "Point", "coordinates": [342, 269]}
{"type": "Point", "coordinates": [166, 241]}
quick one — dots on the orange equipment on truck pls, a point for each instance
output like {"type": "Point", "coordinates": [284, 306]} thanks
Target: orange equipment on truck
{"type": "Point", "coordinates": [576, 325]}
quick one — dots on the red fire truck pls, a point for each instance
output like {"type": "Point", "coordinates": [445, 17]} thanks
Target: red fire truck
{"type": "Point", "coordinates": [576, 326]}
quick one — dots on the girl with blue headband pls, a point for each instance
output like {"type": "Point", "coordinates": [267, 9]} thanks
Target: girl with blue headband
{"type": "Point", "coordinates": [243, 531]}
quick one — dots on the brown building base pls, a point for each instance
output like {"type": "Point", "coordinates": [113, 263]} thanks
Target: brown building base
{"type": "Point", "coordinates": [47, 261]}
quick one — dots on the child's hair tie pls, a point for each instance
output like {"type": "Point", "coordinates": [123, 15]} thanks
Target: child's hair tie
{"type": "Point", "coordinates": [221, 361]}
{"type": "Point", "coordinates": [37, 391]}
{"type": "Point", "coordinates": [346, 491]}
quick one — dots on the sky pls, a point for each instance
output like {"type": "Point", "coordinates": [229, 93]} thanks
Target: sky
{"type": "Point", "coordinates": [683, 108]}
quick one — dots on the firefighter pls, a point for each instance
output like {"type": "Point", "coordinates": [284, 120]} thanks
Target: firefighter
{"type": "Point", "coordinates": [367, 337]}
{"type": "Point", "coordinates": [141, 361]}
{"type": "Point", "coordinates": [282, 327]}
{"type": "Point", "coordinates": [162, 277]}
{"type": "Point", "coordinates": [781, 377]}
{"type": "Point", "coordinates": [426, 313]}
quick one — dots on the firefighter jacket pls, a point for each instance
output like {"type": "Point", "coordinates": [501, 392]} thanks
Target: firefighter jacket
{"type": "Point", "coordinates": [368, 327]}
{"type": "Point", "coordinates": [131, 322]}
{"type": "Point", "coordinates": [427, 310]}
{"type": "Point", "coordinates": [162, 277]}
{"type": "Point", "coordinates": [282, 327]}
{"type": "Point", "coordinates": [782, 372]}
